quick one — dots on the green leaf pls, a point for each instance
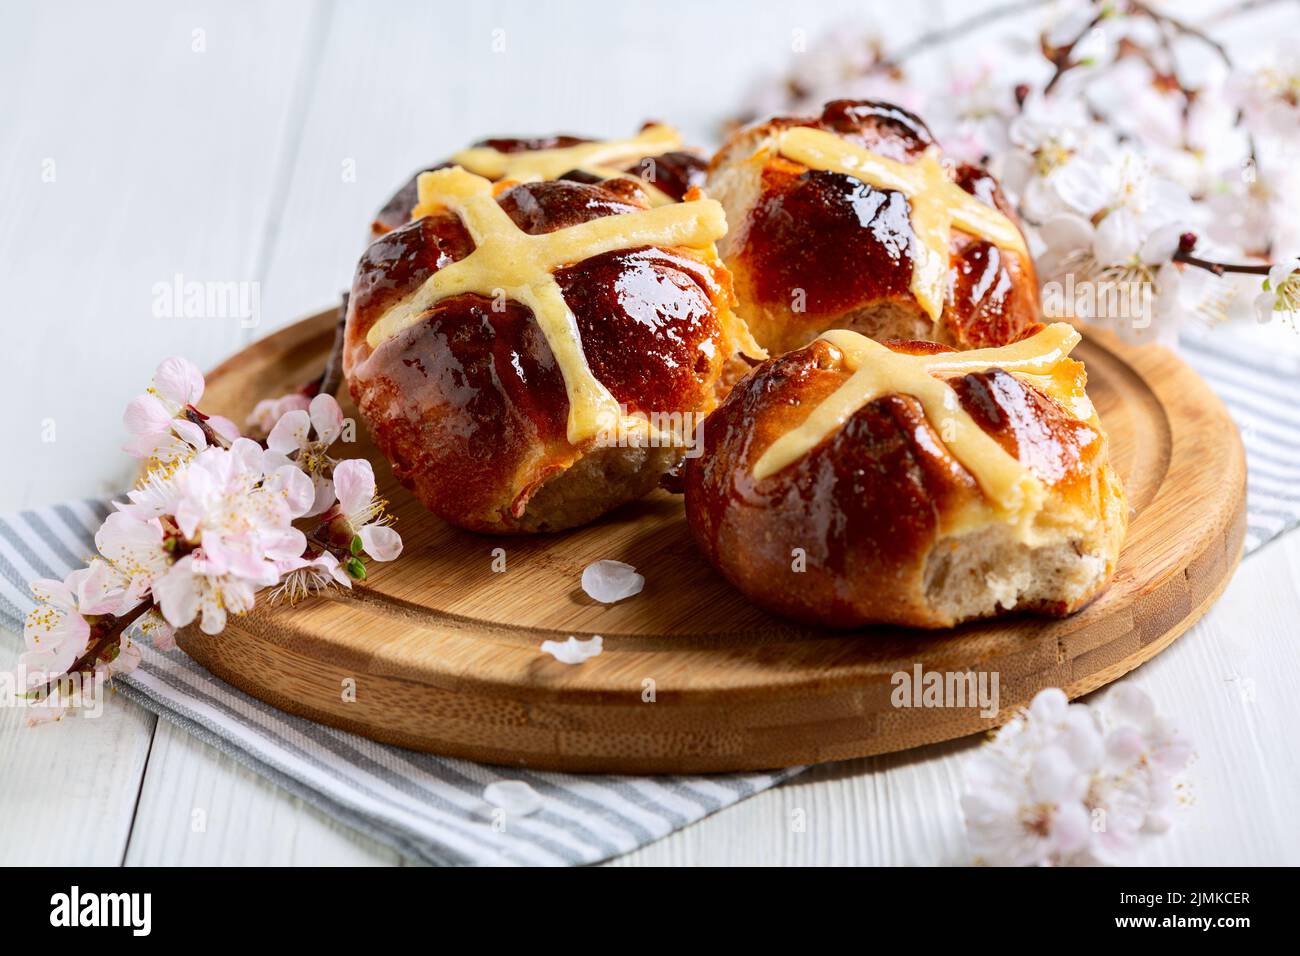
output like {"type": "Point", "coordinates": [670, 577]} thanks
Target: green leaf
{"type": "Point", "coordinates": [356, 568]}
{"type": "Point", "coordinates": [355, 546]}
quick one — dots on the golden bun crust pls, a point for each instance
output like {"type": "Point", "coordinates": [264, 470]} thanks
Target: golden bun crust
{"type": "Point", "coordinates": [811, 250]}
{"type": "Point", "coordinates": [879, 523]}
{"type": "Point", "coordinates": [673, 173]}
{"type": "Point", "coordinates": [469, 404]}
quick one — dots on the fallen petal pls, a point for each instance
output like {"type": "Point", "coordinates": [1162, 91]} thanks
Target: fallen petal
{"type": "Point", "coordinates": [513, 796]}
{"type": "Point", "coordinates": [573, 651]}
{"type": "Point", "coordinates": [610, 581]}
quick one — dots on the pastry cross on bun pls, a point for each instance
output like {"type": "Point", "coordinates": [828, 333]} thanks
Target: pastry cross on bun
{"type": "Point", "coordinates": [850, 482]}
{"type": "Point", "coordinates": [849, 220]}
{"type": "Point", "coordinates": [652, 160]}
{"type": "Point", "coordinates": [511, 347]}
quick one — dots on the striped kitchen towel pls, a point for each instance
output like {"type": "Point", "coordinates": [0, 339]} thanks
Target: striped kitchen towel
{"type": "Point", "coordinates": [432, 809]}
{"type": "Point", "coordinates": [1261, 387]}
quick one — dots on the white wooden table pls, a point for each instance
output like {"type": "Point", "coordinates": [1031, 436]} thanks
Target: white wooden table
{"type": "Point", "coordinates": [251, 143]}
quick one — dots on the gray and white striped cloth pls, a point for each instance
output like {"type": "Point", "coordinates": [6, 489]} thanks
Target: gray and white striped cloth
{"type": "Point", "coordinates": [1261, 387]}
{"type": "Point", "coordinates": [432, 809]}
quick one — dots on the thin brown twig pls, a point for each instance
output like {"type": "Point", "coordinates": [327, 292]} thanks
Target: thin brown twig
{"type": "Point", "coordinates": [1059, 57]}
{"type": "Point", "coordinates": [1222, 268]}
{"type": "Point", "coordinates": [959, 29]}
{"type": "Point", "coordinates": [1181, 26]}
{"type": "Point", "coordinates": [331, 377]}
{"type": "Point", "coordinates": [1239, 9]}
{"type": "Point", "coordinates": [192, 414]}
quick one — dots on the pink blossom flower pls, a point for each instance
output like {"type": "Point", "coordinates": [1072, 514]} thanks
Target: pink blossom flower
{"type": "Point", "coordinates": [267, 412]}
{"type": "Point", "coordinates": [56, 631]}
{"type": "Point", "coordinates": [241, 519]}
{"type": "Point", "coordinates": [152, 419]}
{"type": "Point", "coordinates": [154, 626]}
{"type": "Point", "coordinates": [126, 659]}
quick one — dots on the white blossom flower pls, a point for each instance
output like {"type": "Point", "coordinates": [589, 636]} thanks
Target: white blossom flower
{"type": "Point", "coordinates": [135, 551]}
{"type": "Point", "coordinates": [1123, 181]}
{"type": "Point", "coordinates": [837, 64]}
{"type": "Point", "coordinates": [1046, 138]}
{"type": "Point", "coordinates": [1119, 275]}
{"type": "Point", "coordinates": [1252, 207]}
{"type": "Point", "coordinates": [361, 513]}
{"type": "Point", "coordinates": [186, 592]}
{"type": "Point", "coordinates": [1269, 93]}
{"type": "Point", "coordinates": [305, 436]}
{"type": "Point", "coordinates": [1281, 292]}
{"type": "Point", "coordinates": [308, 576]}
{"type": "Point", "coordinates": [239, 520]}
{"type": "Point", "coordinates": [125, 658]}
{"type": "Point", "coordinates": [155, 627]}
{"type": "Point", "coordinates": [154, 496]}
{"type": "Point", "coordinates": [970, 113]}
{"type": "Point", "coordinates": [1069, 784]}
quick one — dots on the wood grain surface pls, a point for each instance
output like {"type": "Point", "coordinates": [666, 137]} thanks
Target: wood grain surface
{"type": "Point", "coordinates": [444, 653]}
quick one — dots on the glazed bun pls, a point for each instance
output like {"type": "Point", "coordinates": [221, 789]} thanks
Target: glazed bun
{"type": "Point", "coordinates": [654, 156]}
{"type": "Point", "coordinates": [467, 394]}
{"type": "Point", "coordinates": [812, 249]}
{"type": "Point", "coordinates": [957, 486]}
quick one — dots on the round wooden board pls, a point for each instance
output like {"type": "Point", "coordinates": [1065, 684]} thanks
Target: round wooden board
{"type": "Point", "coordinates": [444, 651]}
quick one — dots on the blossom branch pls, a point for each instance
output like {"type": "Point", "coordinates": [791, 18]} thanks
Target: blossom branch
{"type": "Point", "coordinates": [215, 520]}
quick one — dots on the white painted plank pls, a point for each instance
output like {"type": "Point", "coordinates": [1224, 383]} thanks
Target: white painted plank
{"type": "Point", "coordinates": [199, 807]}
{"type": "Point", "coordinates": [68, 789]}
{"type": "Point", "coordinates": [129, 158]}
